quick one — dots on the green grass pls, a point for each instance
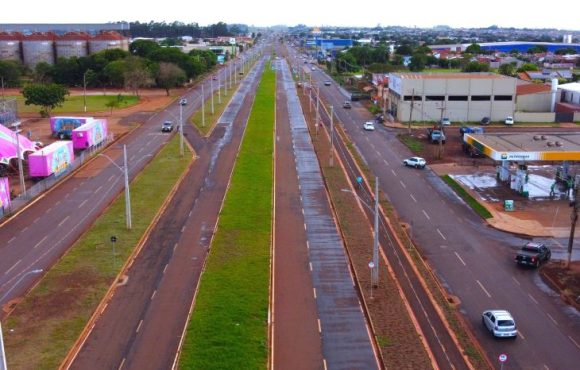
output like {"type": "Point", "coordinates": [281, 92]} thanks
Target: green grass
{"type": "Point", "coordinates": [474, 204]}
{"type": "Point", "coordinates": [204, 127]}
{"type": "Point", "coordinates": [75, 104]}
{"type": "Point", "coordinates": [228, 327]}
{"type": "Point", "coordinates": [49, 320]}
{"type": "Point", "coordinates": [415, 145]}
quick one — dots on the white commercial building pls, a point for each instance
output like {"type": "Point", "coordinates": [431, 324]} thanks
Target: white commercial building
{"type": "Point", "coordinates": [461, 97]}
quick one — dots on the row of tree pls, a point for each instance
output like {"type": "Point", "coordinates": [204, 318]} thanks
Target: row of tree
{"type": "Point", "coordinates": [179, 29]}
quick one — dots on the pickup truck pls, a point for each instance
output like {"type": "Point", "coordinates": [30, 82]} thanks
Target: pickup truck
{"type": "Point", "coordinates": [435, 135]}
{"type": "Point", "coordinates": [532, 254]}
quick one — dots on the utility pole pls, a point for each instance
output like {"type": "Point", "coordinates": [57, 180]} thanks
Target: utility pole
{"type": "Point", "coordinates": [202, 107]}
{"type": "Point", "coordinates": [575, 204]}
{"type": "Point", "coordinates": [317, 111]}
{"type": "Point", "coordinates": [375, 271]}
{"type": "Point", "coordinates": [331, 136]}
{"type": "Point", "coordinates": [219, 90]}
{"type": "Point", "coordinates": [411, 111]}
{"type": "Point", "coordinates": [211, 91]}
{"type": "Point", "coordinates": [442, 109]}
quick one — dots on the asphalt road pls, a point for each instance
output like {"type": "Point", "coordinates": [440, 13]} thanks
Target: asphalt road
{"type": "Point", "coordinates": [472, 261]}
{"type": "Point", "coordinates": [142, 325]}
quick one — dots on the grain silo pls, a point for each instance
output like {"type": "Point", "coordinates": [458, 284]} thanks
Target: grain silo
{"type": "Point", "coordinates": [72, 44]}
{"type": "Point", "coordinates": [38, 47]}
{"type": "Point", "coordinates": [107, 41]}
{"type": "Point", "coordinates": [10, 46]}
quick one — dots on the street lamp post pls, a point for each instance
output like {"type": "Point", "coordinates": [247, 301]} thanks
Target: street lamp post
{"type": "Point", "coordinates": [125, 170]}
{"type": "Point", "coordinates": [211, 93]}
{"type": "Point", "coordinates": [16, 126]}
{"type": "Point", "coordinates": [375, 261]}
{"type": "Point", "coordinates": [181, 129]}
{"type": "Point", "coordinates": [331, 136]}
{"type": "Point", "coordinates": [202, 107]}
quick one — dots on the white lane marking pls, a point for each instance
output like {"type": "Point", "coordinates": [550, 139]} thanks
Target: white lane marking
{"type": "Point", "coordinates": [98, 189]}
{"type": "Point", "coordinates": [460, 259]}
{"type": "Point", "coordinates": [373, 146]}
{"type": "Point", "coordinates": [153, 295]}
{"type": "Point", "coordinates": [573, 341]}
{"type": "Point", "coordinates": [412, 197]}
{"type": "Point", "coordinates": [41, 241]}
{"type": "Point", "coordinates": [394, 173]}
{"type": "Point", "coordinates": [426, 215]}
{"type": "Point", "coordinates": [387, 163]}
{"type": "Point", "coordinates": [520, 334]}
{"type": "Point", "coordinates": [532, 298]}
{"type": "Point", "coordinates": [403, 184]}
{"type": "Point", "coordinates": [165, 268]}
{"type": "Point", "coordinates": [183, 228]}
{"type": "Point", "coordinates": [63, 221]}
{"type": "Point", "coordinates": [546, 367]}
{"type": "Point", "coordinates": [14, 265]}
{"type": "Point", "coordinates": [83, 203]}
{"type": "Point", "coordinates": [310, 264]}
{"type": "Point", "coordinates": [516, 280]}
{"type": "Point", "coordinates": [483, 288]}
{"type": "Point", "coordinates": [314, 291]}
{"type": "Point", "coordinates": [37, 219]}
{"type": "Point", "coordinates": [139, 326]}
{"type": "Point", "coordinates": [324, 362]}
{"type": "Point", "coordinates": [378, 153]}
{"type": "Point", "coordinates": [440, 233]}
{"type": "Point", "coordinates": [111, 178]}
{"type": "Point", "coordinates": [122, 363]}
{"type": "Point", "coordinates": [319, 326]}
{"type": "Point", "coordinates": [307, 245]}
{"type": "Point", "coordinates": [11, 239]}
{"type": "Point", "coordinates": [553, 320]}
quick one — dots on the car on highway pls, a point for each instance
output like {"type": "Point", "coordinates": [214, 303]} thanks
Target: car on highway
{"type": "Point", "coordinates": [533, 254]}
{"type": "Point", "coordinates": [445, 121]}
{"type": "Point", "coordinates": [369, 126]}
{"type": "Point", "coordinates": [485, 121]}
{"type": "Point", "coordinates": [416, 162]}
{"type": "Point", "coordinates": [500, 323]}
{"type": "Point", "coordinates": [183, 101]}
{"type": "Point", "coordinates": [313, 68]}
{"type": "Point", "coordinates": [167, 126]}
{"type": "Point", "coordinates": [346, 105]}
{"type": "Point", "coordinates": [214, 78]}
{"type": "Point", "coordinates": [327, 83]}
{"type": "Point", "coordinates": [509, 120]}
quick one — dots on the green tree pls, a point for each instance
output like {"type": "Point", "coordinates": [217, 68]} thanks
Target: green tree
{"type": "Point", "coordinates": [115, 102]}
{"type": "Point", "coordinates": [508, 69]}
{"type": "Point", "coordinates": [404, 49]}
{"type": "Point", "coordinates": [473, 49]}
{"type": "Point", "coordinates": [42, 73]}
{"type": "Point", "coordinates": [143, 48]}
{"type": "Point", "coordinates": [47, 96]}
{"type": "Point", "coordinates": [136, 74]}
{"type": "Point", "coordinates": [565, 51]}
{"type": "Point", "coordinates": [528, 67]}
{"type": "Point", "coordinates": [475, 66]}
{"type": "Point", "coordinates": [418, 61]}
{"type": "Point", "coordinates": [11, 72]}
{"type": "Point", "coordinates": [114, 73]}
{"type": "Point", "coordinates": [169, 76]}
{"type": "Point", "coordinates": [67, 71]}
{"type": "Point", "coordinates": [537, 49]}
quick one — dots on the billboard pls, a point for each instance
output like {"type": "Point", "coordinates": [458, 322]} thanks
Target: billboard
{"type": "Point", "coordinates": [4, 193]}
{"type": "Point", "coordinates": [395, 83]}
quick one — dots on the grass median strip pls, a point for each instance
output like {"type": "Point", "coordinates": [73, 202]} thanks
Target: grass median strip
{"type": "Point", "coordinates": [228, 326]}
{"type": "Point", "coordinates": [75, 104]}
{"type": "Point", "coordinates": [473, 203]}
{"type": "Point", "coordinates": [45, 325]}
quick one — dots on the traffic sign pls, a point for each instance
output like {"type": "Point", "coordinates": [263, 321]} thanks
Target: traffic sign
{"type": "Point", "coordinates": [371, 264]}
{"type": "Point", "coordinates": [503, 358]}
{"type": "Point", "coordinates": [113, 239]}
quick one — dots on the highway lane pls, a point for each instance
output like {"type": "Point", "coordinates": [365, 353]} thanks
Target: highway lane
{"type": "Point", "coordinates": [464, 252]}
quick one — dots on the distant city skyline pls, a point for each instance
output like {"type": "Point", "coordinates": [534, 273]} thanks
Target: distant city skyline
{"type": "Point", "coordinates": [454, 13]}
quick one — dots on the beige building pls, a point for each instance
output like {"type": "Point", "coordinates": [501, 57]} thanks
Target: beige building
{"type": "Point", "coordinates": [461, 97]}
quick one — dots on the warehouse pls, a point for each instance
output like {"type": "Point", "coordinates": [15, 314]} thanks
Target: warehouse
{"type": "Point", "coordinates": [461, 97]}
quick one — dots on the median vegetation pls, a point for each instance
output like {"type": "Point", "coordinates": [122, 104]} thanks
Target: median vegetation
{"type": "Point", "coordinates": [471, 201]}
{"type": "Point", "coordinates": [228, 326]}
{"type": "Point", "coordinates": [45, 325]}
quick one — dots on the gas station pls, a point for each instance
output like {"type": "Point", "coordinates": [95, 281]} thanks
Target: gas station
{"type": "Point", "coordinates": [523, 147]}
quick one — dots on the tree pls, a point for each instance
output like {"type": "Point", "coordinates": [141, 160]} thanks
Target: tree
{"type": "Point", "coordinates": [537, 49]}
{"type": "Point", "coordinates": [169, 75]}
{"type": "Point", "coordinates": [565, 51]}
{"type": "Point", "coordinates": [114, 73]}
{"type": "Point", "coordinates": [47, 96]}
{"type": "Point", "coordinates": [115, 102]}
{"type": "Point", "coordinates": [42, 73]}
{"type": "Point", "coordinates": [476, 67]}
{"type": "Point", "coordinates": [418, 61]}
{"type": "Point", "coordinates": [528, 67]}
{"type": "Point", "coordinates": [404, 49]}
{"type": "Point", "coordinates": [473, 49]}
{"type": "Point", "coordinates": [136, 74]}
{"type": "Point", "coordinates": [508, 69]}
{"type": "Point", "coordinates": [11, 72]}
{"type": "Point", "coordinates": [143, 48]}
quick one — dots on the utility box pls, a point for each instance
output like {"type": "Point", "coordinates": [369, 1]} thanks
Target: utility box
{"type": "Point", "coordinates": [508, 205]}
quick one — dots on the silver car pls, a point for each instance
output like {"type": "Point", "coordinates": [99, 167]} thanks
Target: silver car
{"type": "Point", "coordinates": [500, 323]}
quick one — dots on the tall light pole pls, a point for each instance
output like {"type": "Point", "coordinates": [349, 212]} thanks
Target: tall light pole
{"type": "Point", "coordinates": [317, 110]}
{"type": "Point", "coordinates": [125, 170]}
{"type": "Point", "coordinates": [202, 107]}
{"type": "Point", "coordinates": [16, 126]}
{"type": "Point", "coordinates": [219, 90]}
{"type": "Point", "coordinates": [180, 128]}
{"type": "Point", "coordinates": [85, 90]}
{"type": "Point", "coordinates": [211, 93]}
{"type": "Point", "coordinates": [331, 136]}
{"type": "Point", "coordinates": [235, 73]}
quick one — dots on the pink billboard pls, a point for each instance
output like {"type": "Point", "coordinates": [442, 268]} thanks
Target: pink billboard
{"type": "Point", "coordinates": [8, 148]}
{"type": "Point", "coordinates": [4, 193]}
{"type": "Point", "coordinates": [91, 133]}
{"type": "Point", "coordinates": [52, 159]}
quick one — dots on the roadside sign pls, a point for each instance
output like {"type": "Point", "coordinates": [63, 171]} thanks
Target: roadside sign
{"type": "Point", "coordinates": [503, 358]}
{"type": "Point", "coordinates": [371, 264]}
{"type": "Point", "coordinates": [113, 239]}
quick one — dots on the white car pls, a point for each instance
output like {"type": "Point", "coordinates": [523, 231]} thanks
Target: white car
{"type": "Point", "coordinates": [500, 323]}
{"type": "Point", "coordinates": [416, 162]}
{"type": "Point", "coordinates": [445, 122]}
{"type": "Point", "coordinates": [369, 126]}
{"type": "Point", "coordinates": [509, 120]}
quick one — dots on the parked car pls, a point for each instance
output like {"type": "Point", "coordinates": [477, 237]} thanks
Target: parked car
{"type": "Point", "coordinates": [369, 126]}
{"type": "Point", "coordinates": [327, 83]}
{"type": "Point", "coordinates": [445, 122]}
{"type": "Point", "coordinates": [485, 121]}
{"type": "Point", "coordinates": [509, 120]}
{"type": "Point", "coordinates": [416, 162]}
{"type": "Point", "coordinates": [346, 104]}
{"type": "Point", "coordinates": [436, 136]}
{"type": "Point", "coordinates": [167, 126]}
{"type": "Point", "coordinates": [533, 254]}
{"type": "Point", "coordinates": [500, 323]}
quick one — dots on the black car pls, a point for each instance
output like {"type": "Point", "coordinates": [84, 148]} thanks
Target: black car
{"type": "Point", "coordinates": [485, 121]}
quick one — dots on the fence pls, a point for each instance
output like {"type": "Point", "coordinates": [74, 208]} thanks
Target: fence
{"type": "Point", "coordinates": [41, 186]}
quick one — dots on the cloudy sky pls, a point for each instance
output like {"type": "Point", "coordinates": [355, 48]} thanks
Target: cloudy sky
{"type": "Point", "coordinates": [422, 13]}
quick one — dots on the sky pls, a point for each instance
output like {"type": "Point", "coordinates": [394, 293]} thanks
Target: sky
{"type": "Point", "coordinates": [369, 13]}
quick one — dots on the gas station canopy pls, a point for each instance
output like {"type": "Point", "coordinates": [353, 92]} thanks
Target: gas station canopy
{"type": "Point", "coordinates": [526, 146]}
